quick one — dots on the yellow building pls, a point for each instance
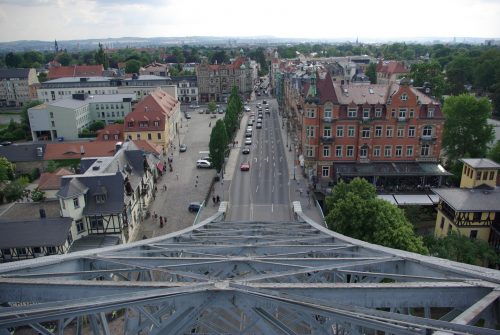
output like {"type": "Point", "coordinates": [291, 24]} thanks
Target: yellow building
{"type": "Point", "coordinates": [473, 209]}
{"type": "Point", "coordinates": [155, 118]}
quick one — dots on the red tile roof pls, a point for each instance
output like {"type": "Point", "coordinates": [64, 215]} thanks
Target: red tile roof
{"type": "Point", "coordinates": [157, 106]}
{"type": "Point", "coordinates": [148, 146]}
{"type": "Point", "coordinates": [77, 150]}
{"type": "Point", "coordinates": [75, 71]}
{"type": "Point", "coordinates": [391, 67]}
{"type": "Point", "coordinates": [111, 130]}
{"type": "Point", "coordinates": [52, 181]}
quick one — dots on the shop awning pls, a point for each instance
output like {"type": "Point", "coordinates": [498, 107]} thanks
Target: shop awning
{"type": "Point", "coordinates": [160, 166]}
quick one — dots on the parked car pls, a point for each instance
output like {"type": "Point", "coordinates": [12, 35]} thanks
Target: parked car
{"type": "Point", "coordinates": [245, 151]}
{"type": "Point", "coordinates": [201, 111]}
{"type": "Point", "coordinates": [259, 125]}
{"type": "Point", "coordinates": [202, 163]}
{"type": "Point", "coordinates": [194, 207]}
{"type": "Point", "coordinates": [245, 166]}
{"type": "Point", "coordinates": [248, 134]}
{"type": "Point", "coordinates": [264, 102]}
{"type": "Point", "coordinates": [187, 115]}
{"type": "Point", "coordinates": [194, 106]}
{"type": "Point", "coordinates": [182, 147]}
{"type": "Point", "coordinates": [248, 141]}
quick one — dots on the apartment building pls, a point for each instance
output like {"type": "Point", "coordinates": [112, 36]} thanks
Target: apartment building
{"type": "Point", "coordinates": [216, 80]}
{"type": "Point", "coordinates": [187, 88]}
{"type": "Point", "coordinates": [66, 118]}
{"type": "Point", "coordinates": [388, 134]}
{"type": "Point", "coordinates": [140, 85]}
{"type": "Point", "coordinates": [17, 86]}
{"type": "Point", "coordinates": [155, 118]}
{"type": "Point", "coordinates": [155, 69]}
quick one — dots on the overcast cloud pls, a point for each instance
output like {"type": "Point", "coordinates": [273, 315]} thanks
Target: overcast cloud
{"type": "Point", "coordinates": [366, 19]}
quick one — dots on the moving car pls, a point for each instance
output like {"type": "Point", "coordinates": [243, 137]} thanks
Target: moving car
{"type": "Point", "coordinates": [245, 151]}
{"type": "Point", "coordinates": [194, 207]}
{"type": "Point", "coordinates": [259, 125]}
{"type": "Point", "coordinates": [187, 115]}
{"type": "Point", "coordinates": [248, 141]}
{"type": "Point", "coordinates": [202, 163]}
{"type": "Point", "coordinates": [264, 102]}
{"type": "Point", "coordinates": [245, 166]}
{"type": "Point", "coordinates": [182, 147]}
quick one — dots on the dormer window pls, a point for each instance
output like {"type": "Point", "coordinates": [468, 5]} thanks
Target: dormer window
{"type": "Point", "coordinates": [143, 124]}
{"type": "Point", "coordinates": [430, 112]}
{"type": "Point", "coordinates": [404, 97]}
{"type": "Point", "coordinates": [352, 112]}
{"type": "Point", "coordinates": [100, 198]}
{"type": "Point", "coordinates": [130, 124]}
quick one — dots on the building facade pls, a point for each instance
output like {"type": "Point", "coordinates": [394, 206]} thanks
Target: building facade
{"type": "Point", "coordinates": [473, 210]}
{"type": "Point", "coordinates": [66, 118]}
{"type": "Point", "coordinates": [156, 118]}
{"type": "Point", "coordinates": [215, 81]}
{"type": "Point", "coordinates": [187, 88]}
{"type": "Point", "coordinates": [17, 86]}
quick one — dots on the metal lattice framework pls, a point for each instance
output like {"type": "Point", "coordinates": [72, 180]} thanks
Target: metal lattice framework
{"type": "Point", "coordinates": [248, 278]}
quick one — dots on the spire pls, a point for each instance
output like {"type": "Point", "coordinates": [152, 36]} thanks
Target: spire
{"type": "Point", "coordinates": [56, 47]}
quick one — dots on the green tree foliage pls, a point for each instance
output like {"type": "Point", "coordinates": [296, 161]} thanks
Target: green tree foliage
{"type": "Point", "coordinates": [32, 59]}
{"type": "Point", "coordinates": [42, 76]}
{"type": "Point", "coordinates": [357, 212]}
{"type": "Point", "coordinates": [132, 66]}
{"type": "Point", "coordinates": [6, 169]}
{"type": "Point", "coordinates": [259, 56]}
{"type": "Point", "coordinates": [219, 57]}
{"type": "Point", "coordinates": [64, 58]}
{"type": "Point", "coordinates": [459, 73]}
{"type": "Point", "coordinates": [13, 60]}
{"type": "Point", "coordinates": [15, 189]}
{"type": "Point", "coordinates": [212, 106]}
{"type": "Point", "coordinates": [233, 113]}
{"type": "Point", "coordinates": [51, 166]}
{"type": "Point", "coordinates": [100, 57]}
{"type": "Point", "coordinates": [96, 125]}
{"type": "Point", "coordinates": [37, 195]}
{"type": "Point", "coordinates": [462, 249]}
{"type": "Point", "coordinates": [218, 144]}
{"type": "Point", "coordinates": [25, 121]}
{"type": "Point", "coordinates": [466, 131]}
{"type": "Point", "coordinates": [494, 152]}
{"type": "Point", "coordinates": [431, 73]}
{"type": "Point", "coordinates": [371, 72]}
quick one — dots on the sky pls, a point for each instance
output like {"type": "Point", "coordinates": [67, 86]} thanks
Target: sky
{"type": "Point", "coordinates": [49, 20]}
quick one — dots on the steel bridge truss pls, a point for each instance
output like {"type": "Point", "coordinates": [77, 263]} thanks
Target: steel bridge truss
{"type": "Point", "coordinates": [248, 278]}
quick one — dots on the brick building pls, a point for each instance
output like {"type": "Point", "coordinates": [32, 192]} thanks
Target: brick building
{"type": "Point", "coordinates": [389, 134]}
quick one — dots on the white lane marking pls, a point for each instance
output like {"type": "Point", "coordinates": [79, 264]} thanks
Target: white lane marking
{"type": "Point", "coordinates": [257, 189]}
{"type": "Point", "coordinates": [272, 189]}
{"type": "Point", "coordinates": [272, 207]}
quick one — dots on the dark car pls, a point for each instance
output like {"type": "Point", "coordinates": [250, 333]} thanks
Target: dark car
{"type": "Point", "coordinates": [182, 148]}
{"type": "Point", "coordinates": [245, 151]}
{"type": "Point", "coordinates": [194, 207]}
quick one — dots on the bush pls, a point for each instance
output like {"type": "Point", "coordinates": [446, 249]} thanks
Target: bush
{"type": "Point", "coordinates": [37, 195]}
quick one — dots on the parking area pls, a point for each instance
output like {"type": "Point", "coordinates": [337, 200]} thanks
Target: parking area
{"type": "Point", "coordinates": [185, 183]}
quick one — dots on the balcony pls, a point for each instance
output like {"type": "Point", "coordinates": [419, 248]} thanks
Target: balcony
{"type": "Point", "coordinates": [326, 139]}
{"type": "Point", "coordinates": [402, 119]}
{"type": "Point", "coordinates": [426, 159]}
{"type": "Point", "coordinates": [328, 119]}
{"type": "Point", "coordinates": [366, 119]}
{"type": "Point", "coordinates": [428, 139]}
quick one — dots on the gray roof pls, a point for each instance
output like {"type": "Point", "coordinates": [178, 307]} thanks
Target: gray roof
{"type": "Point", "coordinates": [98, 98]}
{"type": "Point", "coordinates": [109, 185]}
{"type": "Point", "coordinates": [471, 200]}
{"type": "Point", "coordinates": [71, 187]}
{"type": "Point", "coordinates": [76, 80]}
{"type": "Point", "coordinates": [34, 233]}
{"type": "Point", "coordinates": [23, 152]}
{"type": "Point", "coordinates": [480, 163]}
{"type": "Point", "coordinates": [94, 241]}
{"type": "Point", "coordinates": [6, 73]}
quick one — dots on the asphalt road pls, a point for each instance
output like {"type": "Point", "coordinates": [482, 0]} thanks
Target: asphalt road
{"type": "Point", "coordinates": [262, 194]}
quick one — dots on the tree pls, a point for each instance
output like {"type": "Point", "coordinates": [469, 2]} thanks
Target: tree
{"type": "Point", "coordinates": [459, 73]}
{"type": "Point", "coordinates": [431, 73]}
{"type": "Point", "coordinates": [64, 59]}
{"type": "Point", "coordinates": [219, 57]}
{"type": "Point", "coordinates": [357, 212]}
{"type": "Point", "coordinates": [25, 121]}
{"type": "Point", "coordinates": [15, 189]}
{"type": "Point", "coordinates": [494, 152]}
{"type": "Point", "coordinates": [212, 107]}
{"type": "Point", "coordinates": [6, 169]}
{"type": "Point", "coordinates": [371, 72]}
{"type": "Point", "coordinates": [100, 57]}
{"type": "Point", "coordinates": [132, 66]}
{"type": "Point", "coordinates": [13, 60]}
{"type": "Point", "coordinates": [218, 144]}
{"type": "Point", "coordinates": [37, 195]}
{"type": "Point", "coordinates": [96, 125]}
{"type": "Point", "coordinates": [462, 249]}
{"type": "Point", "coordinates": [466, 131]}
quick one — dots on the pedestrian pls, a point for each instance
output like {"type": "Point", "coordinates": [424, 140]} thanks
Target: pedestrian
{"type": "Point", "coordinates": [210, 124]}
{"type": "Point", "coordinates": [165, 219]}
{"type": "Point", "coordinates": [213, 199]}
{"type": "Point", "coordinates": [177, 176]}
{"type": "Point", "coordinates": [161, 221]}
{"type": "Point", "coordinates": [165, 187]}
{"type": "Point", "coordinates": [218, 198]}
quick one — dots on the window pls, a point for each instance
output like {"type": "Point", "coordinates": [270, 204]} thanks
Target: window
{"type": "Point", "coordinates": [100, 198]}
{"type": "Point", "coordinates": [309, 151]}
{"type": "Point", "coordinates": [402, 113]}
{"type": "Point", "coordinates": [363, 152]}
{"type": "Point", "coordinates": [115, 137]}
{"type": "Point", "coordinates": [376, 151]}
{"type": "Point", "coordinates": [159, 136]}
{"type": "Point", "coordinates": [310, 131]}
{"type": "Point", "coordinates": [325, 171]}
{"type": "Point", "coordinates": [430, 112]}
{"type": "Point", "coordinates": [352, 112]}
{"type": "Point", "coordinates": [389, 131]}
{"type": "Point", "coordinates": [327, 131]}
{"type": "Point", "coordinates": [51, 250]}
{"type": "Point", "coordinates": [411, 131]}
{"type": "Point", "coordinates": [365, 133]}
{"type": "Point", "coordinates": [156, 123]}
{"type": "Point", "coordinates": [366, 113]}
{"type": "Point", "coordinates": [473, 234]}
{"type": "Point", "coordinates": [378, 131]}
{"type": "Point", "coordinates": [409, 150]}
{"type": "Point", "coordinates": [21, 251]}
{"type": "Point", "coordinates": [425, 150]}
{"type": "Point", "coordinates": [311, 113]}
{"type": "Point", "coordinates": [338, 151]}
{"type": "Point", "coordinates": [150, 137]}
{"type": "Point", "coordinates": [51, 115]}
{"type": "Point", "coordinates": [492, 175]}
{"type": "Point", "coordinates": [478, 175]}
{"type": "Point", "coordinates": [441, 225]}
{"type": "Point", "coordinates": [401, 131]}
{"type": "Point", "coordinates": [350, 151]}
{"type": "Point", "coordinates": [130, 124]}
{"type": "Point", "coordinates": [328, 111]}
{"type": "Point", "coordinates": [340, 131]}
{"type": "Point", "coordinates": [399, 150]}
{"type": "Point", "coordinates": [143, 124]}
{"type": "Point", "coordinates": [96, 223]}
{"type": "Point", "coordinates": [351, 131]}
{"type": "Point", "coordinates": [388, 151]}
{"type": "Point", "coordinates": [80, 227]}
{"type": "Point", "coordinates": [412, 113]}
{"type": "Point", "coordinates": [76, 203]}
{"type": "Point", "coordinates": [53, 123]}
{"type": "Point", "coordinates": [404, 97]}
{"type": "Point", "coordinates": [378, 112]}
{"type": "Point", "coordinates": [427, 131]}
{"type": "Point", "coordinates": [326, 151]}
{"type": "Point", "coordinates": [138, 136]}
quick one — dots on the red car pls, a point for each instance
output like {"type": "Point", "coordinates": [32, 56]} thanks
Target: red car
{"type": "Point", "coordinates": [245, 166]}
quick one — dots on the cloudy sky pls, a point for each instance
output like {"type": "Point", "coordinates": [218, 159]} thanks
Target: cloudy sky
{"type": "Point", "coordinates": [367, 19]}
